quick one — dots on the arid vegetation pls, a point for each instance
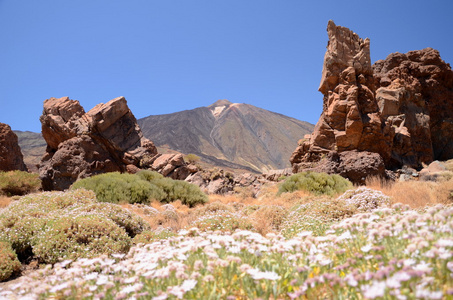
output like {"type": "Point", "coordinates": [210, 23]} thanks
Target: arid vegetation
{"type": "Point", "coordinates": [18, 183]}
{"type": "Point", "coordinates": [367, 242]}
{"type": "Point", "coordinates": [141, 188]}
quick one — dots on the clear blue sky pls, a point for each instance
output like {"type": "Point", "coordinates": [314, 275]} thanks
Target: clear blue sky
{"type": "Point", "coordinates": [172, 55]}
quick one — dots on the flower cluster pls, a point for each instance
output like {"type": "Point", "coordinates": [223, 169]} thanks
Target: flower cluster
{"type": "Point", "coordinates": [54, 226]}
{"type": "Point", "coordinates": [365, 199]}
{"type": "Point", "coordinates": [392, 253]}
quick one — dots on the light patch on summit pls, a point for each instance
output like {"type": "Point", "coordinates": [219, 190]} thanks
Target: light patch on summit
{"type": "Point", "coordinates": [218, 110]}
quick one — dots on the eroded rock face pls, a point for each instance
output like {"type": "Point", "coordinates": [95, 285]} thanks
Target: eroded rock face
{"type": "Point", "coordinates": [400, 108]}
{"type": "Point", "coordinates": [414, 92]}
{"type": "Point", "coordinates": [11, 157]}
{"type": "Point", "coordinates": [79, 144]}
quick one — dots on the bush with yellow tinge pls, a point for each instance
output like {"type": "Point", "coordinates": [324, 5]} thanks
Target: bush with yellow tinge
{"type": "Point", "coordinates": [55, 226]}
{"type": "Point", "coordinates": [142, 187]}
{"type": "Point", "coordinates": [18, 183]}
{"type": "Point", "coordinates": [316, 183]}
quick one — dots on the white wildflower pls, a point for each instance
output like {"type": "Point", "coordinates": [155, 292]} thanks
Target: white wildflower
{"type": "Point", "coordinates": [258, 275]}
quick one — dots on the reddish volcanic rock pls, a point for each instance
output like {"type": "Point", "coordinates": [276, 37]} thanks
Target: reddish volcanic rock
{"type": "Point", "coordinates": [11, 157]}
{"type": "Point", "coordinates": [401, 109]}
{"type": "Point", "coordinates": [79, 144]}
{"type": "Point", "coordinates": [415, 95]}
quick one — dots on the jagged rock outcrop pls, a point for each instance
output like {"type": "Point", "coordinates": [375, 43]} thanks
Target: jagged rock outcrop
{"type": "Point", "coordinates": [79, 144]}
{"type": "Point", "coordinates": [414, 92]}
{"type": "Point", "coordinates": [400, 108]}
{"type": "Point", "coordinates": [11, 157]}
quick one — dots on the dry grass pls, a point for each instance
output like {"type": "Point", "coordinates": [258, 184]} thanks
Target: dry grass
{"type": "Point", "coordinates": [268, 218]}
{"type": "Point", "coordinates": [4, 201]}
{"type": "Point", "coordinates": [267, 211]}
{"type": "Point", "coordinates": [415, 193]}
{"type": "Point", "coordinates": [267, 196]}
{"type": "Point", "coordinates": [174, 219]}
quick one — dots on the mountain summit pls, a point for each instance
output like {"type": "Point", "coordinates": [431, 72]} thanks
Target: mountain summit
{"type": "Point", "coordinates": [229, 134]}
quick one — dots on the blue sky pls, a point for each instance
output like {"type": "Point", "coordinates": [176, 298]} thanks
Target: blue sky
{"type": "Point", "coordinates": [172, 55]}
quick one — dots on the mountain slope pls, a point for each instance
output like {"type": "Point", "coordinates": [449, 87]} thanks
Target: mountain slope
{"type": "Point", "coordinates": [229, 134]}
{"type": "Point", "coordinates": [33, 147]}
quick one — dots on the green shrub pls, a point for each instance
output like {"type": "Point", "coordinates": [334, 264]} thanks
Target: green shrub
{"type": "Point", "coordinates": [316, 183]}
{"type": "Point", "coordinates": [116, 188]}
{"type": "Point", "coordinates": [141, 188]}
{"type": "Point", "coordinates": [191, 158]}
{"type": "Point", "coordinates": [149, 175]}
{"type": "Point", "coordinates": [9, 264]}
{"type": "Point", "coordinates": [188, 193]}
{"type": "Point", "coordinates": [36, 225]}
{"type": "Point", "coordinates": [18, 183]}
{"type": "Point", "coordinates": [132, 223]}
{"type": "Point", "coordinates": [83, 236]}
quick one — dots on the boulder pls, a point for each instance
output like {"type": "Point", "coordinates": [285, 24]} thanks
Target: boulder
{"type": "Point", "coordinates": [275, 175]}
{"type": "Point", "coordinates": [169, 165]}
{"type": "Point", "coordinates": [355, 165]}
{"type": "Point", "coordinates": [400, 108]}
{"type": "Point", "coordinates": [79, 144]}
{"type": "Point", "coordinates": [435, 171]}
{"type": "Point", "coordinates": [221, 182]}
{"type": "Point", "coordinates": [11, 157]}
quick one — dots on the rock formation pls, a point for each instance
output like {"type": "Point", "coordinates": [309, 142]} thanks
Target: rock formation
{"type": "Point", "coordinates": [400, 109]}
{"type": "Point", "coordinates": [218, 181]}
{"type": "Point", "coordinates": [10, 155]}
{"type": "Point", "coordinates": [414, 92]}
{"type": "Point", "coordinates": [79, 144]}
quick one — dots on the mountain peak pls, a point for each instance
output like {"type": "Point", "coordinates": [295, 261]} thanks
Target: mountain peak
{"type": "Point", "coordinates": [222, 102]}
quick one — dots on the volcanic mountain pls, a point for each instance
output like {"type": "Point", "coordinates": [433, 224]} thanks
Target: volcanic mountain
{"type": "Point", "coordinates": [229, 134]}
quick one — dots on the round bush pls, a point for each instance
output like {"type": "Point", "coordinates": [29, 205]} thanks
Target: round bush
{"type": "Point", "coordinates": [149, 175]}
{"type": "Point", "coordinates": [23, 223]}
{"type": "Point", "coordinates": [316, 183]}
{"type": "Point", "coordinates": [188, 193]}
{"type": "Point", "coordinates": [132, 223]}
{"type": "Point", "coordinates": [141, 188]}
{"type": "Point", "coordinates": [316, 216]}
{"type": "Point", "coordinates": [365, 199]}
{"type": "Point", "coordinates": [115, 188]}
{"type": "Point", "coordinates": [9, 264]}
{"type": "Point", "coordinates": [84, 236]}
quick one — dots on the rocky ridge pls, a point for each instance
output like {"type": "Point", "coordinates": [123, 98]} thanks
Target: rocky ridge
{"type": "Point", "coordinates": [105, 139]}
{"type": "Point", "coordinates": [397, 112]}
{"type": "Point", "coordinates": [11, 157]}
